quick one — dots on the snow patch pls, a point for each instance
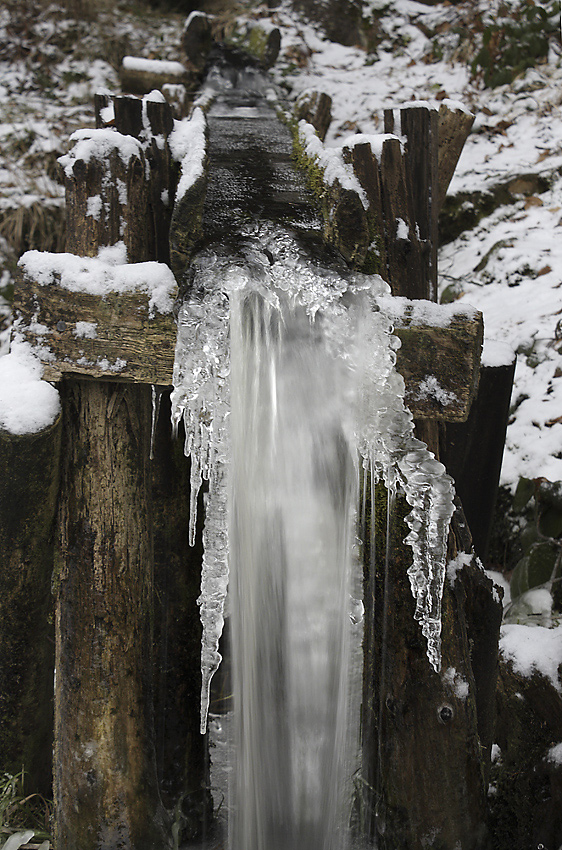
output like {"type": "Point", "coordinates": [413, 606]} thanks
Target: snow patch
{"type": "Point", "coordinates": [27, 404]}
{"type": "Point", "coordinates": [188, 144]}
{"type": "Point", "coordinates": [104, 275]}
{"type": "Point", "coordinates": [533, 649]}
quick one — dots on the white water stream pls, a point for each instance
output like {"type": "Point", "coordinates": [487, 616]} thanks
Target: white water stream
{"type": "Point", "coordinates": [285, 379]}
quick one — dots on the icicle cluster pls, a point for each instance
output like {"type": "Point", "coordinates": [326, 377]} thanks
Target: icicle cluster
{"type": "Point", "coordinates": [387, 444]}
{"type": "Point", "coordinates": [269, 261]}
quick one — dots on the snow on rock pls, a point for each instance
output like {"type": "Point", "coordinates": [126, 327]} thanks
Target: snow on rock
{"type": "Point", "coordinates": [188, 144]}
{"type": "Point", "coordinates": [27, 404]}
{"type": "Point", "coordinates": [99, 144]}
{"type": "Point", "coordinates": [102, 275]}
{"type": "Point", "coordinates": [533, 649]}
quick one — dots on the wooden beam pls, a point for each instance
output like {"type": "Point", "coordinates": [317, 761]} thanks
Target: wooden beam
{"type": "Point", "coordinates": [455, 124]}
{"type": "Point", "coordinates": [439, 357]}
{"type": "Point", "coordinates": [106, 338]}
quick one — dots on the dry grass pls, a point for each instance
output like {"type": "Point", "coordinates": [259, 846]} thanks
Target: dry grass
{"type": "Point", "coordinates": [38, 226]}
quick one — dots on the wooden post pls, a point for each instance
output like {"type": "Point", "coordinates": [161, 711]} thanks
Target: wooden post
{"type": "Point", "coordinates": [28, 500]}
{"type": "Point", "coordinates": [105, 783]}
{"type": "Point", "coordinates": [182, 752]}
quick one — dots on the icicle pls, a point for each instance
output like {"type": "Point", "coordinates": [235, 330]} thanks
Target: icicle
{"type": "Point", "coordinates": [156, 399]}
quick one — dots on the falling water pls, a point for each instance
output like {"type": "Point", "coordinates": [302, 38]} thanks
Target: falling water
{"type": "Point", "coordinates": [285, 375]}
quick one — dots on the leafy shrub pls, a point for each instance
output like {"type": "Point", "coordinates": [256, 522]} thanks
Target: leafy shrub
{"type": "Point", "coordinates": [516, 40]}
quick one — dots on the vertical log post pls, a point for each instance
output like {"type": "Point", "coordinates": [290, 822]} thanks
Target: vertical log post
{"type": "Point", "coordinates": [106, 793]}
{"type": "Point", "coordinates": [28, 500]}
{"type": "Point", "coordinates": [426, 736]}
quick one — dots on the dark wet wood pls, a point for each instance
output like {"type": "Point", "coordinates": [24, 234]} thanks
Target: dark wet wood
{"type": "Point", "coordinates": [474, 451]}
{"type": "Point", "coordinates": [105, 778]}
{"type": "Point", "coordinates": [28, 502]}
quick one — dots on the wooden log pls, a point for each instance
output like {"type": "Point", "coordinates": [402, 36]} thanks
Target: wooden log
{"type": "Point", "coordinates": [117, 337]}
{"type": "Point", "coordinates": [141, 76]}
{"type": "Point", "coordinates": [106, 792]}
{"type": "Point", "coordinates": [197, 39]}
{"type": "Point", "coordinates": [405, 249]}
{"type": "Point", "coordinates": [28, 501]}
{"type": "Point", "coordinates": [105, 779]}
{"type": "Point", "coordinates": [474, 451]}
{"type": "Point", "coordinates": [182, 752]}
{"type": "Point", "coordinates": [419, 125]}
{"type": "Point", "coordinates": [422, 760]}
{"type": "Point", "coordinates": [151, 121]}
{"type": "Point", "coordinates": [455, 124]}
{"type": "Point", "coordinates": [316, 108]}
{"type": "Point", "coordinates": [366, 168]}
{"type": "Point", "coordinates": [440, 361]}
{"type": "Point", "coordinates": [439, 356]}
{"type": "Point", "coordinates": [102, 210]}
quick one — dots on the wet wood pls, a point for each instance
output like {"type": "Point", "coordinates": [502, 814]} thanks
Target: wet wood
{"type": "Point", "coordinates": [316, 108]}
{"type": "Point", "coordinates": [454, 127]}
{"type": "Point", "coordinates": [150, 121]}
{"type": "Point", "coordinates": [420, 127]}
{"type": "Point", "coordinates": [440, 365]}
{"type": "Point", "coordinates": [422, 758]}
{"type": "Point", "coordinates": [128, 342]}
{"type": "Point", "coordinates": [182, 752]}
{"type": "Point", "coordinates": [105, 779]}
{"type": "Point", "coordinates": [474, 451]}
{"type": "Point", "coordinates": [28, 502]}
{"type": "Point", "coordinates": [106, 791]}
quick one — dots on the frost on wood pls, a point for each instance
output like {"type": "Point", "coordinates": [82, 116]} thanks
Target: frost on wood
{"type": "Point", "coordinates": [271, 264]}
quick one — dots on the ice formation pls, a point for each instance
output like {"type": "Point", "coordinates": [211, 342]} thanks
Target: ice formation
{"type": "Point", "coordinates": [272, 264]}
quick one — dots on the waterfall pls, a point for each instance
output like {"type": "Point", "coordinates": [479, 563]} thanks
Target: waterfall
{"type": "Point", "coordinates": [285, 380]}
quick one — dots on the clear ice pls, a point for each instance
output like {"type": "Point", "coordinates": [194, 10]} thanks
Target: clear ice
{"type": "Point", "coordinates": [342, 307]}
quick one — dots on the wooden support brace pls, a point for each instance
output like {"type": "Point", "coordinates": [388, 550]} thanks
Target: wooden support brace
{"type": "Point", "coordinates": [439, 357]}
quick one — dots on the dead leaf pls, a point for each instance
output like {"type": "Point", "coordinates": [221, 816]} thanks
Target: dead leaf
{"type": "Point", "coordinates": [533, 201]}
{"type": "Point", "coordinates": [544, 270]}
{"type": "Point", "coordinates": [544, 155]}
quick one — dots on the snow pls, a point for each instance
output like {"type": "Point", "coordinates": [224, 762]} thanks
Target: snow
{"type": "Point", "coordinates": [85, 330]}
{"type": "Point", "coordinates": [99, 144]}
{"type": "Point", "coordinates": [153, 66]}
{"type": "Point", "coordinates": [27, 404]}
{"type": "Point", "coordinates": [104, 275]}
{"type": "Point", "coordinates": [496, 354]}
{"type": "Point", "coordinates": [188, 144]}
{"type": "Point", "coordinates": [554, 755]}
{"type": "Point", "coordinates": [533, 649]}
{"type": "Point", "coordinates": [330, 160]}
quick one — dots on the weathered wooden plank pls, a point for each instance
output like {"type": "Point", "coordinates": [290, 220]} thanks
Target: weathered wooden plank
{"type": "Point", "coordinates": [111, 337]}
{"type": "Point", "coordinates": [439, 363]}
{"type": "Point", "coordinates": [455, 124]}
{"type": "Point", "coordinates": [404, 249]}
{"type": "Point", "coordinates": [419, 126]}
{"type": "Point", "coordinates": [439, 356]}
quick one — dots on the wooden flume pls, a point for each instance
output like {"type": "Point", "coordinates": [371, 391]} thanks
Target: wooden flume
{"type": "Point", "coordinates": [118, 543]}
